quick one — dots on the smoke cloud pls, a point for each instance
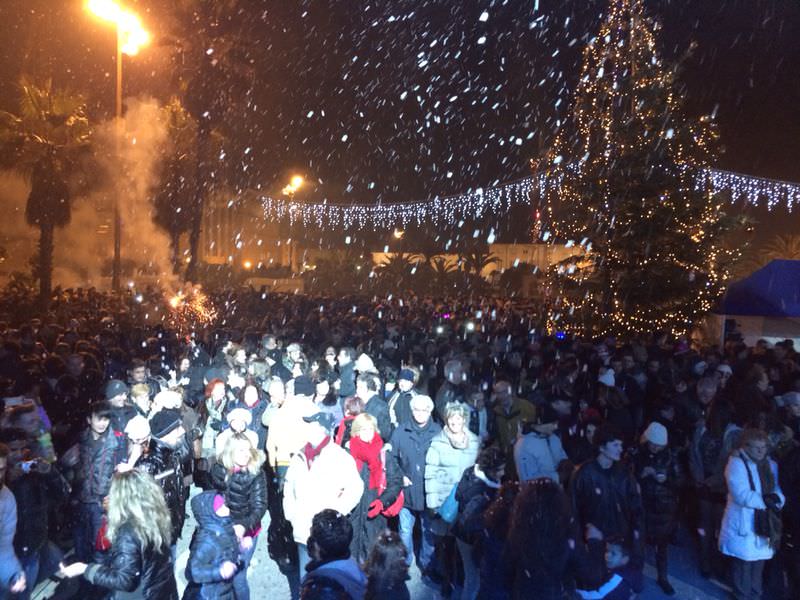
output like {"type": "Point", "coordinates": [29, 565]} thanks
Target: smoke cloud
{"type": "Point", "coordinates": [84, 249]}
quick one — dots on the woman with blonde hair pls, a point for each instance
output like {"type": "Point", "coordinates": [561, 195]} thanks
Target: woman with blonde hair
{"type": "Point", "coordinates": [140, 530]}
{"type": "Point", "coordinates": [239, 477]}
{"type": "Point", "coordinates": [382, 485]}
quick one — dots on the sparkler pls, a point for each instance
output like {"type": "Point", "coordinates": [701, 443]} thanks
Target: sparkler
{"type": "Point", "coordinates": [190, 308]}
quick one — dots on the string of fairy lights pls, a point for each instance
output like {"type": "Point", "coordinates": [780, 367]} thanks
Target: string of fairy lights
{"type": "Point", "coordinates": [480, 202]}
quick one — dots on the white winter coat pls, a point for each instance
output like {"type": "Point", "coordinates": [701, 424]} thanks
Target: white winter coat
{"type": "Point", "coordinates": [331, 482]}
{"type": "Point", "coordinates": [737, 536]}
{"type": "Point", "coordinates": [538, 456]}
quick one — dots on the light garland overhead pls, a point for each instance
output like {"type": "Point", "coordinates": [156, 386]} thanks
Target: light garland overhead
{"type": "Point", "coordinates": [477, 203]}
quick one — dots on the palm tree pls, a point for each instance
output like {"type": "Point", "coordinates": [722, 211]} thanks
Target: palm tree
{"type": "Point", "coordinates": [44, 143]}
{"type": "Point", "coordinates": [396, 269]}
{"type": "Point", "coordinates": [473, 260]}
{"type": "Point", "coordinates": [340, 273]}
{"type": "Point", "coordinates": [215, 75]}
{"type": "Point", "coordinates": [779, 247]}
{"type": "Point", "coordinates": [443, 272]}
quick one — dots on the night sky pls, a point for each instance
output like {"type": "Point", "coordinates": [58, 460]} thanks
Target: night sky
{"type": "Point", "coordinates": [393, 100]}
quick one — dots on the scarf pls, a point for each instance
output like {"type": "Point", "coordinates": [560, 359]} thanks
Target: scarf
{"type": "Point", "coordinates": [311, 452]}
{"type": "Point", "coordinates": [456, 441]}
{"type": "Point", "coordinates": [369, 453]}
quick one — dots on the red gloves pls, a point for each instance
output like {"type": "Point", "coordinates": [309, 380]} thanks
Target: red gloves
{"type": "Point", "coordinates": [375, 509]}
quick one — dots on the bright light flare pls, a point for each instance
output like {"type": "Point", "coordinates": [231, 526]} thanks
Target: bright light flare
{"type": "Point", "coordinates": [295, 183]}
{"type": "Point", "coordinates": [399, 233]}
{"type": "Point", "coordinates": [131, 32]}
{"type": "Point", "coordinates": [190, 307]}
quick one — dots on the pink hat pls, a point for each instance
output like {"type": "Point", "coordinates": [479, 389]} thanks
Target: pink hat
{"type": "Point", "coordinates": [219, 502]}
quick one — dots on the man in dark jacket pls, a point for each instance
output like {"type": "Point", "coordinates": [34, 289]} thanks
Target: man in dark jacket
{"type": "Point", "coordinates": [347, 377]}
{"type": "Point", "coordinates": [38, 488]}
{"type": "Point", "coordinates": [157, 452]}
{"type": "Point", "coordinates": [122, 411]}
{"type": "Point", "coordinates": [605, 493]}
{"type": "Point", "coordinates": [400, 400]}
{"type": "Point", "coordinates": [101, 449]}
{"type": "Point", "coordinates": [329, 548]}
{"type": "Point", "coordinates": [410, 443]}
{"type": "Point", "coordinates": [368, 389]}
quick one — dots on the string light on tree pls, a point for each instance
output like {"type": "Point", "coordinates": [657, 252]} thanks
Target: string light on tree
{"type": "Point", "coordinates": [631, 175]}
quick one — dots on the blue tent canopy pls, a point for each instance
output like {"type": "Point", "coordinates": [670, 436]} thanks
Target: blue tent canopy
{"type": "Point", "coordinates": [772, 291]}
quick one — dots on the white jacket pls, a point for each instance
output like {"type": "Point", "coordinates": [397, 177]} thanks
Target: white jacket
{"type": "Point", "coordinates": [331, 482]}
{"type": "Point", "coordinates": [737, 536]}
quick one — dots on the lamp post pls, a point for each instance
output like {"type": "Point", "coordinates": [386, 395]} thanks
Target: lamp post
{"type": "Point", "coordinates": [295, 183]}
{"type": "Point", "coordinates": [130, 37]}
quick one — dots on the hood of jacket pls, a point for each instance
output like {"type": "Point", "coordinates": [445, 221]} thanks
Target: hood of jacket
{"type": "Point", "coordinates": [203, 509]}
{"type": "Point", "coordinates": [345, 572]}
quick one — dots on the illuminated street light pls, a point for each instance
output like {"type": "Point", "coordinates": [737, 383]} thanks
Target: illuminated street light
{"type": "Point", "coordinates": [131, 36]}
{"type": "Point", "coordinates": [248, 264]}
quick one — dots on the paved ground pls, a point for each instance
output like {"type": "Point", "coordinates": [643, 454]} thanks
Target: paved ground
{"type": "Point", "coordinates": [267, 582]}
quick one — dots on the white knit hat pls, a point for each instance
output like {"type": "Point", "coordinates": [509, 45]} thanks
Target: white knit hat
{"type": "Point", "coordinates": [655, 433]}
{"type": "Point", "coordinates": [138, 428]}
{"type": "Point", "coordinates": [364, 364]}
{"type": "Point", "coordinates": [240, 414]}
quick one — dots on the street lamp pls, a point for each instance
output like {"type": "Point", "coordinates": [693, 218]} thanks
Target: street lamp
{"type": "Point", "coordinates": [131, 36]}
{"type": "Point", "coordinates": [295, 183]}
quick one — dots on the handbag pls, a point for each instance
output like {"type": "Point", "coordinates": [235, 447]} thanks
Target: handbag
{"type": "Point", "coordinates": [395, 507]}
{"type": "Point", "coordinates": [761, 520]}
{"type": "Point", "coordinates": [449, 509]}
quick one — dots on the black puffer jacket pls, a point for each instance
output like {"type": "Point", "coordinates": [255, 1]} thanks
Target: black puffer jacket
{"type": "Point", "coordinates": [133, 572]}
{"type": "Point", "coordinates": [213, 543]}
{"type": "Point", "coordinates": [165, 466]}
{"type": "Point", "coordinates": [660, 500]}
{"type": "Point", "coordinates": [245, 494]}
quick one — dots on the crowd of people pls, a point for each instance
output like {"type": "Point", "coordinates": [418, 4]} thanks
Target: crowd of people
{"type": "Point", "coordinates": [370, 436]}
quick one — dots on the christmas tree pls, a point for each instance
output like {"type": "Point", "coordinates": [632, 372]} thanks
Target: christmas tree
{"type": "Point", "coordinates": [627, 184]}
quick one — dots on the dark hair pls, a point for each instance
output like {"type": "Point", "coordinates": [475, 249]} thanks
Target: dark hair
{"type": "Point", "coordinates": [332, 533]}
{"type": "Point", "coordinates": [540, 527]}
{"type": "Point", "coordinates": [498, 515]}
{"type": "Point", "coordinates": [606, 433]}
{"type": "Point", "coordinates": [353, 405]}
{"type": "Point", "coordinates": [349, 351]}
{"type": "Point", "coordinates": [386, 567]}
{"type": "Point", "coordinates": [490, 460]}
{"type": "Point", "coordinates": [100, 408]}
{"type": "Point", "coordinates": [4, 451]}
{"type": "Point", "coordinates": [371, 380]}
{"type": "Point", "coordinates": [136, 363]}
